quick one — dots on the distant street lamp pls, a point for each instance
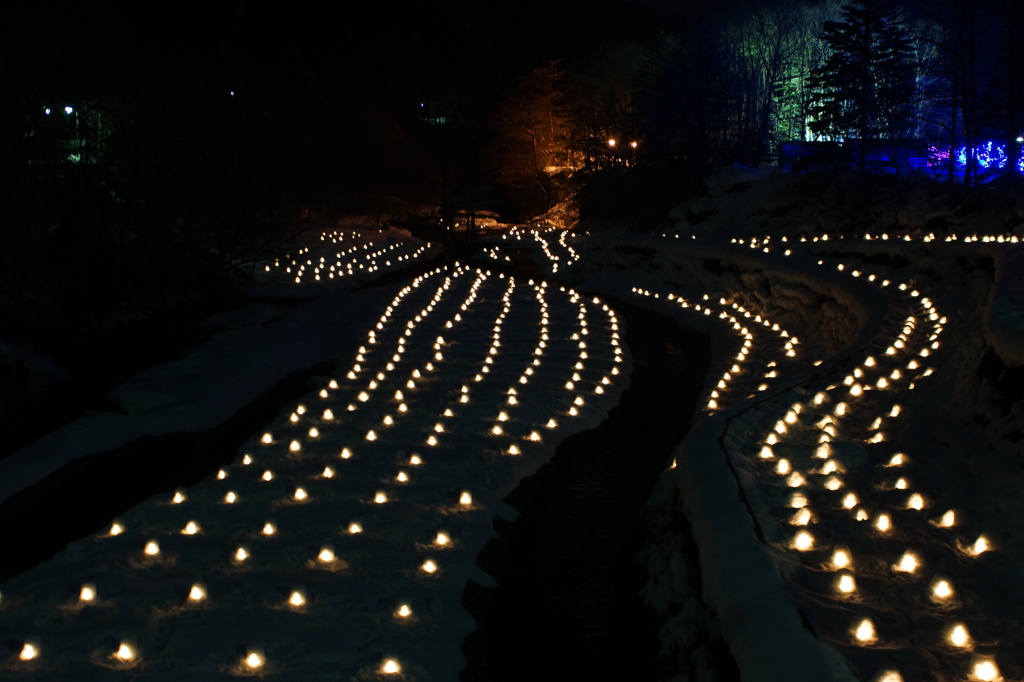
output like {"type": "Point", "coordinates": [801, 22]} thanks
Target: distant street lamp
{"type": "Point", "coordinates": [611, 142]}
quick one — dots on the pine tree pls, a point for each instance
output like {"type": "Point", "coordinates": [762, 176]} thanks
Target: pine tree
{"type": "Point", "coordinates": [865, 88]}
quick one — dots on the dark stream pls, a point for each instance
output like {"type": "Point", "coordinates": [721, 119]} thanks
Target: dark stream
{"type": "Point", "coordinates": [567, 606]}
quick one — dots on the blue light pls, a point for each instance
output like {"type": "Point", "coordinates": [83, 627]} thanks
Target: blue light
{"type": "Point", "coordinates": [990, 156]}
{"type": "Point", "coordinates": [68, 110]}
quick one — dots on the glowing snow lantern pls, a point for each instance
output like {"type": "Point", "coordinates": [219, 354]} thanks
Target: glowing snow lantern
{"type": "Point", "coordinates": [850, 501]}
{"type": "Point", "coordinates": [846, 583]}
{"type": "Point", "coordinates": [328, 472]}
{"type": "Point", "coordinates": [915, 501]}
{"type": "Point", "coordinates": [390, 667]}
{"type": "Point", "coordinates": [230, 497]}
{"type": "Point", "coordinates": [197, 593]}
{"type": "Point", "coordinates": [958, 636]}
{"type": "Point", "coordinates": [241, 554]}
{"type": "Point", "coordinates": [301, 495]}
{"type": "Point", "coordinates": [429, 566]}
{"type": "Point", "coordinates": [346, 453]}
{"type": "Point", "coordinates": [802, 517]}
{"type": "Point", "coordinates": [297, 599]}
{"type": "Point", "coordinates": [125, 653]}
{"type": "Point", "coordinates": [803, 541]}
{"type": "Point", "coordinates": [415, 460]}
{"type": "Point", "coordinates": [899, 459]}
{"type": "Point", "coordinates": [889, 676]}
{"type": "Point", "coordinates": [87, 594]}
{"type": "Point", "coordinates": [403, 611]}
{"type": "Point", "coordinates": [798, 501]}
{"type": "Point", "coordinates": [941, 590]}
{"type": "Point", "coordinates": [841, 558]}
{"type": "Point", "coordinates": [371, 435]}
{"type": "Point", "coordinates": [465, 499]}
{"type": "Point", "coordinates": [380, 497]}
{"type": "Point", "coordinates": [908, 563]}
{"type": "Point", "coordinates": [178, 498]}
{"type": "Point", "coordinates": [984, 669]}
{"type": "Point", "coordinates": [254, 660]}
{"type": "Point", "coordinates": [269, 528]}
{"type": "Point", "coordinates": [442, 539]}
{"type": "Point", "coordinates": [294, 446]}
{"type": "Point", "coordinates": [883, 523]}
{"type": "Point", "coordinates": [980, 545]}
{"type": "Point", "coordinates": [865, 632]}
{"type": "Point", "coordinates": [152, 548]}
{"type": "Point", "coordinates": [267, 439]}
{"type": "Point", "coordinates": [268, 475]}
{"type": "Point", "coordinates": [28, 651]}
{"type": "Point", "coordinates": [191, 528]}
{"type": "Point", "coordinates": [326, 555]}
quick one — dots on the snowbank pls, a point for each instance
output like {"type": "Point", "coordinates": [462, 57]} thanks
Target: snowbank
{"type": "Point", "coordinates": [204, 388]}
{"type": "Point", "coordinates": [1004, 316]}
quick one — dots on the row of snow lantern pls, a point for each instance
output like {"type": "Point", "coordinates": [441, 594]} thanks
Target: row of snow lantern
{"type": "Point", "coordinates": [788, 343]}
{"type": "Point", "coordinates": [127, 652]}
{"type": "Point", "coordinates": [492, 352]}
{"type": "Point", "coordinates": [765, 242]}
{"type": "Point", "coordinates": [494, 253]}
{"type": "Point", "coordinates": [392, 254]}
{"type": "Point", "coordinates": [339, 236]}
{"type": "Point", "coordinates": [956, 634]}
{"type": "Point", "coordinates": [541, 238]}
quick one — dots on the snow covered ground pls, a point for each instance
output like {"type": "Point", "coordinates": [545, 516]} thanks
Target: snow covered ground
{"type": "Point", "coordinates": [858, 511]}
{"type": "Point", "coordinates": [338, 543]}
{"type": "Point", "coordinates": [853, 483]}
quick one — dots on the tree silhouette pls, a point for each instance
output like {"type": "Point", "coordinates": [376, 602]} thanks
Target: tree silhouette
{"type": "Point", "coordinates": [865, 88]}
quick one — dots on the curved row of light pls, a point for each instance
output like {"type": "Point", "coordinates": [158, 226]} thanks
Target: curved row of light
{"type": "Point", "coordinates": [359, 259]}
{"type": "Point", "coordinates": [765, 243]}
{"type": "Point", "coordinates": [302, 460]}
{"type": "Point", "coordinates": [731, 313]}
{"type": "Point", "coordinates": [548, 243]}
{"type": "Point", "coordinates": [494, 253]}
{"type": "Point", "coordinates": [818, 491]}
